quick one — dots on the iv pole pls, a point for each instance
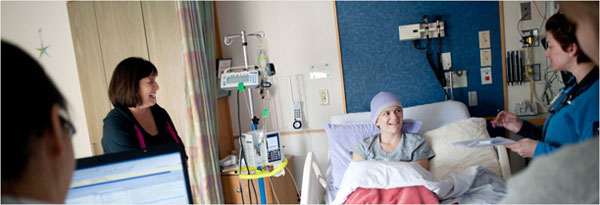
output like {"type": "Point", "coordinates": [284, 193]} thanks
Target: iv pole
{"type": "Point", "coordinates": [228, 40]}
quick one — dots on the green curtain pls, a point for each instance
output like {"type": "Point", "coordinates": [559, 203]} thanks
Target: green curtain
{"type": "Point", "coordinates": [197, 28]}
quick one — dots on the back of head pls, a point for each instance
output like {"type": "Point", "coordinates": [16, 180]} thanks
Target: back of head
{"type": "Point", "coordinates": [381, 101]}
{"type": "Point", "coordinates": [124, 84]}
{"type": "Point", "coordinates": [27, 103]}
{"type": "Point", "coordinates": [584, 14]}
{"type": "Point", "coordinates": [564, 33]}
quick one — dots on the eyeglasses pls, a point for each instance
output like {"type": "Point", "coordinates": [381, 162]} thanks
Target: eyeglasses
{"type": "Point", "coordinates": [544, 43]}
{"type": "Point", "coordinates": [62, 115]}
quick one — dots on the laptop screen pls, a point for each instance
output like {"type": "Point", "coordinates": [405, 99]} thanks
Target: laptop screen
{"type": "Point", "coordinates": [156, 175]}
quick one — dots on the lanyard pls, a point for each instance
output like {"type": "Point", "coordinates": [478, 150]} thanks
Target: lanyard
{"type": "Point", "coordinates": [141, 137]}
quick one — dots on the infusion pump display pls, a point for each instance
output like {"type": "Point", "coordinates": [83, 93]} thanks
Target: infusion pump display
{"type": "Point", "coordinates": [262, 148]}
{"type": "Point", "coordinates": [230, 81]}
{"type": "Point", "coordinates": [274, 153]}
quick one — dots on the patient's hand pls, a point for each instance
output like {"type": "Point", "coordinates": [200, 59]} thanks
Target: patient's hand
{"type": "Point", "coordinates": [507, 120]}
{"type": "Point", "coordinates": [524, 147]}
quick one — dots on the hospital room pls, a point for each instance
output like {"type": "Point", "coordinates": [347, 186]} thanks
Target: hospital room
{"type": "Point", "coordinates": [302, 102]}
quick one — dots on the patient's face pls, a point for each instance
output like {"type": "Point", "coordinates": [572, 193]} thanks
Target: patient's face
{"type": "Point", "coordinates": [390, 120]}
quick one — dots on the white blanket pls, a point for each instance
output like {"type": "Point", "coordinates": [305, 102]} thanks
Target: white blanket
{"type": "Point", "coordinates": [473, 185]}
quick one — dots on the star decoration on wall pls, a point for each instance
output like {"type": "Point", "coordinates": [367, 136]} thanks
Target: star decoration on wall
{"type": "Point", "coordinates": [42, 49]}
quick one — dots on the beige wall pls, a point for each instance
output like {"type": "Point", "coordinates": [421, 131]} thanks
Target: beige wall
{"type": "Point", "coordinates": [512, 14]}
{"type": "Point", "coordinates": [20, 24]}
{"type": "Point", "coordinates": [517, 93]}
{"type": "Point", "coordinates": [298, 35]}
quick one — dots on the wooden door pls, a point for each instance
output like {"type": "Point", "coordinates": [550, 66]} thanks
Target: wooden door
{"type": "Point", "coordinates": [121, 31]}
{"type": "Point", "coordinates": [165, 52]}
{"type": "Point", "coordinates": [90, 66]}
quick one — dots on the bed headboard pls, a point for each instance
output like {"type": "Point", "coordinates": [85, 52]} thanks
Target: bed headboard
{"type": "Point", "coordinates": [432, 115]}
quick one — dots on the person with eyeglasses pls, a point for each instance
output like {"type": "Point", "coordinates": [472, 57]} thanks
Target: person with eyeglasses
{"type": "Point", "coordinates": [574, 114]}
{"type": "Point", "coordinates": [136, 121]}
{"type": "Point", "coordinates": [37, 152]}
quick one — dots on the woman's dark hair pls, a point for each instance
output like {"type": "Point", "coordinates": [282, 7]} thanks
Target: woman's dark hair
{"type": "Point", "coordinates": [28, 99]}
{"type": "Point", "coordinates": [124, 84]}
{"type": "Point", "coordinates": [564, 33]}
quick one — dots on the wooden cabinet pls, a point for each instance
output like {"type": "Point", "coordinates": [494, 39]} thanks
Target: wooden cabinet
{"type": "Point", "coordinates": [284, 187]}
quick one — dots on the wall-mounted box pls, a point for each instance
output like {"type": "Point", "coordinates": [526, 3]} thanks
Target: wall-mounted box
{"type": "Point", "coordinates": [459, 79]}
{"type": "Point", "coordinates": [419, 31]}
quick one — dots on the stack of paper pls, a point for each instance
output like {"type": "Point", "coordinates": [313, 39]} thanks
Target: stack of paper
{"type": "Point", "coordinates": [484, 142]}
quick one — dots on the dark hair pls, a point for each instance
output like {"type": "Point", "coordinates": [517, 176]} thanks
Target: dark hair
{"type": "Point", "coordinates": [124, 84]}
{"type": "Point", "coordinates": [564, 33]}
{"type": "Point", "coordinates": [27, 106]}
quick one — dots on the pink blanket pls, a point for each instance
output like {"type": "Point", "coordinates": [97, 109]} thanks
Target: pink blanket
{"type": "Point", "coordinates": [402, 195]}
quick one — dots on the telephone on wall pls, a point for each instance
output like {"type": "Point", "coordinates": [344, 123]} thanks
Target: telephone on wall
{"type": "Point", "coordinates": [297, 124]}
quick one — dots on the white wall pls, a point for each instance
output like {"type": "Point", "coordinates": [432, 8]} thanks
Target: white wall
{"type": "Point", "coordinates": [20, 24]}
{"type": "Point", "coordinates": [517, 93]}
{"type": "Point", "coordinates": [512, 14]}
{"type": "Point", "coordinates": [299, 35]}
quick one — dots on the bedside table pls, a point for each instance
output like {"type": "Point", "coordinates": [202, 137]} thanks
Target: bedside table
{"type": "Point", "coordinates": [283, 185]}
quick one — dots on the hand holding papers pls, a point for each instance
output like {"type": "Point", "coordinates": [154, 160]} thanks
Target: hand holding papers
{"type": "Point", "coordinates": [484, 142]}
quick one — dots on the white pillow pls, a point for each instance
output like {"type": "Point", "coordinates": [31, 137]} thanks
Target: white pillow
{"type": "Point", "coordinates": [449, 158]}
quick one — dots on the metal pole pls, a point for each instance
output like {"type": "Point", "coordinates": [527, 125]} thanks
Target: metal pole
{"type": "Point", "coordinates": [451, 85]}
{"type": "Point", "coordinates": [250, 98]}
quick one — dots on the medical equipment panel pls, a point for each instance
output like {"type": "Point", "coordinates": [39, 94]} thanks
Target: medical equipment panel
{"type": "Point", "coordinates": [261, 148]}
{"type": "Point", "coordinates": [230, 81]}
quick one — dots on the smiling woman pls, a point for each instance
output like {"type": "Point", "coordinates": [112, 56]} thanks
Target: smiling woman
{"type": "Point", "coordinates": [137, 121]}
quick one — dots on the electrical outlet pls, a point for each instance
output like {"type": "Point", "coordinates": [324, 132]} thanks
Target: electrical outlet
{"type": "Point", "coordinates": [486, 57]}
{"type": "Point", "coordinates": [526, 11]}
{"type": "Point", "coordinates": [324, 95]}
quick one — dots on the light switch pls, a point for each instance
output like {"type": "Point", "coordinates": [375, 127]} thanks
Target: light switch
{"type": "Point", "coordinates": [472, 98]}
{"type": "Point", "coordinates": [486, 76]}
{"type": "Point", "coordinates": [484, 39]}
{"type": "Point", "coordinates": [446, 60]}
{"type": "Point", "coordinates": [486, 57]}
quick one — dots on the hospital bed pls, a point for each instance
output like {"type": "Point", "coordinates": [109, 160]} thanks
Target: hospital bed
{"type": "Point", "coordinates": [439, 123]}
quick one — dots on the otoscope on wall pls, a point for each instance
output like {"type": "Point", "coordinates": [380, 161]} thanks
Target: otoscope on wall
{"type": "Point", "coordinates": [426, 31]}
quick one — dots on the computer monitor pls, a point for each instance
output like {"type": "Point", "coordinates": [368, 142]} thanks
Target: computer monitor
{"type": "Point", "coordinates": [156, 175]}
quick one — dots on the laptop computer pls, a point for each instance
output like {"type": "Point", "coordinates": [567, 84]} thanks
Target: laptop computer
{"type": "Point", "coordinates": [156, 175]}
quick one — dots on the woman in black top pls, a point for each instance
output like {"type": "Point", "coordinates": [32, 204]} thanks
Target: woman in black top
{"type": "Point", "coordinates": [136, 121]}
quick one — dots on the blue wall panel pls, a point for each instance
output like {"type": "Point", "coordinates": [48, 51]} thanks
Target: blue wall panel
{"type": "Point", "coordinates": [374, 59]}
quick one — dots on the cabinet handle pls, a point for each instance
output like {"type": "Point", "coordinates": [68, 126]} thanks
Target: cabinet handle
{"type": "Point", "coordinates": [238, 190]}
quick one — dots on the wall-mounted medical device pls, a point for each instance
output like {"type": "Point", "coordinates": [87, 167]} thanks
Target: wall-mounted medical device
{"type": "Point", "coordinates": [230, 79]}
{"type": "Point", "coordinates": [426, 31]}
{"type": "Point", "coordinates": [529, 38]}
{"type": "Point", "coordinates": [262, 148]}
{"type": "Point", "coordinates": [420, 31]}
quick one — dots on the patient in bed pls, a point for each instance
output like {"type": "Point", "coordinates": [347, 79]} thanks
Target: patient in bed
{"type": "Point", "coordinates": [392, 144]}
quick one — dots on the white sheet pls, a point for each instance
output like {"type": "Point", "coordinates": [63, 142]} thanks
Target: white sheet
{"type": "Point", "coordinates": [473, 185]}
